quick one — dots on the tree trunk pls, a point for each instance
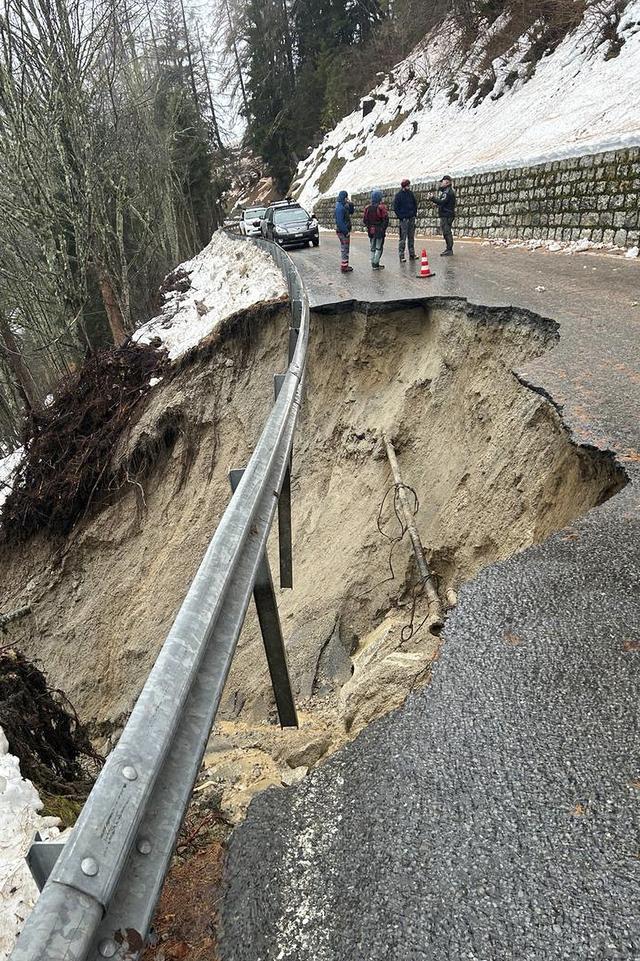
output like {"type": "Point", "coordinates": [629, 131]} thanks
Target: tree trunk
{"type": "Point", "coordinates": [112, 307]}
{"type": "Point", "coordinates": [214, 118]}
{"type": "Point", "coordinates": [237, 59]}
{"type": "Point", "coordinates": [23, 379]}
{"type": "Point", "coordinates": [194, 89]}
{"type": "Point", "coordinates": [122, 255]}
{"type": "Point", "coordinates": [153, 33]}
{"type": "Point", "coordinates": [288, 44]}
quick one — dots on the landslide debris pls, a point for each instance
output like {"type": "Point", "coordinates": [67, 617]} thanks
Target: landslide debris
{"type": "Point", "coordinates": [45, 734]}
{"type": "Point", "coordinates": [493, 467]}
{"type": "Point", "coordinates": [65, 471]}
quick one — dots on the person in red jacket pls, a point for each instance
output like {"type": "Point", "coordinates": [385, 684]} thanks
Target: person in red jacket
{"type": "Point", "coordinates": [376, 220]}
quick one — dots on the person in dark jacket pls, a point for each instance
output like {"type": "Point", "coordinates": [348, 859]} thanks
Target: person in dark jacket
{"type": "Point", "coordinates": [376, 220]}
{"type": "Point", "coordinates": [446, 202]}
{"type": "Point", "coordinates": [406, 208]}
{"type": "Point", "coordinates": [344, 209]}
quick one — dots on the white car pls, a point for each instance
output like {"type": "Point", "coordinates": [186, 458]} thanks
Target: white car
{"type": "Point", "coordinates": [250, 221]}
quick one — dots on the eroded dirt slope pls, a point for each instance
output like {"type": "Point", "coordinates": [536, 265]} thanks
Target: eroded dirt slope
{"type": "Point", "coordinates": [492, 466]}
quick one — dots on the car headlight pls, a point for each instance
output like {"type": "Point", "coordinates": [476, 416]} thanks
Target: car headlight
{"type": "Point", "coordinates": [313, 222]}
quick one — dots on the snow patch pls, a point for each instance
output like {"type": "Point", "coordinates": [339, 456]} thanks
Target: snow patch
{"type": "Point", "coordinates": [575, 103]}
{"type": "Point", "coordinates": [19, 821]}
{"type": "Point", "coordinates": [8, 467]}
{"type": "Point", "coordinates": [228, 275]}
{"type": "Point", "coordinates": [558, 246]}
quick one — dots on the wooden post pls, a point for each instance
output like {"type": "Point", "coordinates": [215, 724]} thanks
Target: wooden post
{"type": "Point", "coordinates": [435, 608]}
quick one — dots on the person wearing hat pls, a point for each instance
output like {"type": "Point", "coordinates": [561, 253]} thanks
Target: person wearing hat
{"type": "Point", "coordinates": [343, 212]}
{"type": "Point", "coordinates": [406, 208]}
{"type": "Point", "coordinates": [446, 202]}
{"type": "Point", "coordinates": [376, 220]}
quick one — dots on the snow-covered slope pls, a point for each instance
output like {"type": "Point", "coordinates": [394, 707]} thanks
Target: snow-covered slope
{"type": "Point", "coordinates": [228, 275]}
{"type": "Point", "coordinates": [8, 467]}
{"type": "Point", "coordinates": [575, 102]}
{"type": "Point", "coordinates": [19, 820]}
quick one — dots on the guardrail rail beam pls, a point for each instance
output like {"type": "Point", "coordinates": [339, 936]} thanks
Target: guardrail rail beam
{"type": "Point", "coordinates": [102, 888]}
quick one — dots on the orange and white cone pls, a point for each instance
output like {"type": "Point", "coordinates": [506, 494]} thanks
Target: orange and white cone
{"type": "Point", "coordinates": [425, 269]}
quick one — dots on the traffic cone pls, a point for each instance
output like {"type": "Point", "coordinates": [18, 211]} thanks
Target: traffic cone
{"type": "Point", "coordinates": [425, 269]}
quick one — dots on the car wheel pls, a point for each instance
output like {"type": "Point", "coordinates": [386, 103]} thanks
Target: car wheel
{"type": "Point", "coordinates": [316, 241]}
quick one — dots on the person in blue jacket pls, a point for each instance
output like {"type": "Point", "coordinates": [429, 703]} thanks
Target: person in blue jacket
{"type": "Point", "coordinates": [344, 209]}
{"type": "Point", "coordinates": [406, 208]}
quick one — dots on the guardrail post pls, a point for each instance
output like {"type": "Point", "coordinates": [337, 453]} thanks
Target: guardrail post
{"type": "Point", "coordinates": [41, 857]}
{"type": "Point", "coordinates": [264, 596]}
{"type": "Point", "coordinates": [293, 340]}
{"type": "Point", "coordinates": [285, 534]}
{"type": "Point", "coordinates": [296, 317]}
{"type": "Point", "coordinates": [296, 313]}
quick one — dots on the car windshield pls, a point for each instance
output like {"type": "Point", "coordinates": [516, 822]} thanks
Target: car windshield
{"type": "Point", "coordinates": [254, 213]}
{"type": "Point", "coordinates": [290, 215]}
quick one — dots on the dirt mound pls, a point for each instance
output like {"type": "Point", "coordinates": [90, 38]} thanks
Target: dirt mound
{"type": "Point", "coordinates": [44, 733]}
{"type": "Point", "coordinates": [66, 467]}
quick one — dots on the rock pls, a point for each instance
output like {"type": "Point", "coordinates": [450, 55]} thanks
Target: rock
{"type": "Point", "coordinates": [318, 661]}
{"type": "Point", "coordinates": [295, 776]}
{"type": "Point", "coordinates": [306, 755]}
{"type": "Point", "coordinates": [334, 666]}
{"type": "Point", "coordinates": [385, 671]}
{"type": "Point", "coordinates": [219, 743]}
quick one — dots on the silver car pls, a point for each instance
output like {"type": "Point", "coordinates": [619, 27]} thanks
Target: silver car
{"type": "Point", "coordinates": [250, 221]}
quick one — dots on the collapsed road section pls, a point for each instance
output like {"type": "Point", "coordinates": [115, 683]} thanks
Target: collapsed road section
{"type": "Point", "coordinates": [495, 474]}
{"type": "Point", "coordinates": [495, 814]}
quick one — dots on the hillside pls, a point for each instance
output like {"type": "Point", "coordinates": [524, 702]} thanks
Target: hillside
{"type": "Point", "coordinates": [492, 104]}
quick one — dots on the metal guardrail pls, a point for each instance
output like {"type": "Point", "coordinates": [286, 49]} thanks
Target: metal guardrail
{"type": "Point", "coordinates": [101, 892]}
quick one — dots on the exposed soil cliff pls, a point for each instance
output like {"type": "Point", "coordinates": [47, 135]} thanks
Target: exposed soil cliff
{"type": "Point", "coordinates": [490, 461]}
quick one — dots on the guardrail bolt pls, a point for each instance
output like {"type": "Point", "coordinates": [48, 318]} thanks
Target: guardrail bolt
{"type": "Point", "coordinates": [89, 867]}
{"type": "Point", "coordinates": [144, 846]}
{"type": "Point", "coordinates": [129, 773]}
{"type": "Point", "coordinates": [107, 948]}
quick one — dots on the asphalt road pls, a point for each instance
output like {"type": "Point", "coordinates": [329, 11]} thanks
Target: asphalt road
{"type": "Point", "coordinates": [592, 374]}
{"type": "Point", "coordinates": [496, 816]}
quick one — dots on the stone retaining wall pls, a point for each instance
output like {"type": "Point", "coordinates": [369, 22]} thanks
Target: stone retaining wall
{"type": "Point", "coordinates": [596, 197]}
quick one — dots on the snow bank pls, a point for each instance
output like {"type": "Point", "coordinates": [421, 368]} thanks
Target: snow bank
{"type": "Point", "coordinates": [19, 820]}
{"type": "Point", "coordinates": [560, 246]}
{"type": "Point", "coordinates": [575, 103]}
{"type": "Point", "coordinates": [228, 275]}
{"type": "Point", "coordinates": [8, 467]}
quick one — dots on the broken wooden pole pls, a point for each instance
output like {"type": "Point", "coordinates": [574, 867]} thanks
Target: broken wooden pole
{"type": "Point", "coordinates": [426, 577]}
